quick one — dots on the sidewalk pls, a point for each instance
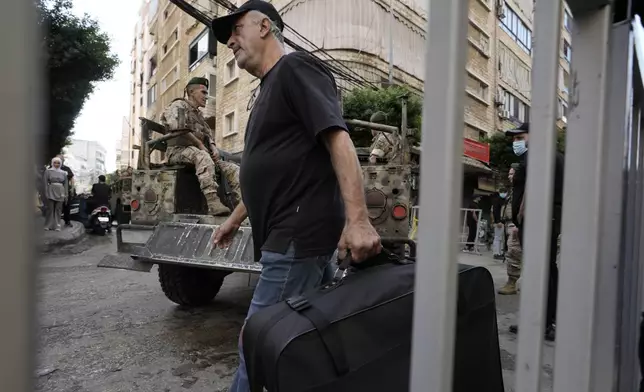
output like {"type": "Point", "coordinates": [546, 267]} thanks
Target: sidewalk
{"type": "Point", "coordinates": [507, 310]}
{"type": "Point", "coordinates": [49, 240]}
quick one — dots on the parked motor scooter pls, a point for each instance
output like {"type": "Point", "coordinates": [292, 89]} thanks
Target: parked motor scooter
{"type": "Point", "coordinates": [100, 220]}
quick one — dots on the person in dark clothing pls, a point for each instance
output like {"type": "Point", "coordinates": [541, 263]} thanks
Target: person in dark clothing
{"type": "Point", "coordinates": [301, 181]}
{"type": "Point", "coordinates": [101, 195]}
{"type": "Point", "coordinates": [520, 147]}
{"type": "Point", "coordinates": [472, 222]}
{"type": "Point", "coordinates": [70, 184]}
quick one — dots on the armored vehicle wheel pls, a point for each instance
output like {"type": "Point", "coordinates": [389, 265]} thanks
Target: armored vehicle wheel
{"type": "Point", "coordinates": [189, 286]}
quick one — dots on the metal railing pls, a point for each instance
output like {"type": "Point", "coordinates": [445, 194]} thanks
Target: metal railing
{"type": "Point", "coordinates": [601, 275]}
{"type": "Point", "coordinates": [464, 232]}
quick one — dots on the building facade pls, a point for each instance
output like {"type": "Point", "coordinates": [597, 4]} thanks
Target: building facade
{"type": "Point", "coordinates": [169, 48]}
{"type": "Point", "coordinates": [87, 160]}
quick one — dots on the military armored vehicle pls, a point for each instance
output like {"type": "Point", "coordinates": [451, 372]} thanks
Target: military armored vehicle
{"type": "Point", "coordinates": [166, 203]}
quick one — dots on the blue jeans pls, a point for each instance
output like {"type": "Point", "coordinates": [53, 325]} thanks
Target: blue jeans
{"type": "Point", "coordinates": [283, 276]}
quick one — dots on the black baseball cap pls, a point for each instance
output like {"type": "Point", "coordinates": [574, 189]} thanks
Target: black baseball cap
{"type": "Point", "coordinates": [222, 27]}
{"type": "Point", "coordinates": [523, 128]}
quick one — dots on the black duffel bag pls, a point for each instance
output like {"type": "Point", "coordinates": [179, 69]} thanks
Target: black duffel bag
{"type": "Point", "coordinates": [355, 334]}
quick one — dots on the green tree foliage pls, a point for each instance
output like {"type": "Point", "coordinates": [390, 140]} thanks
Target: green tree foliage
{"type": "Point", "coordinates": [78, 56]}
{"type": "Point", "coordinates": [501, 154]}
{"type": "Point", "coordinates": [361, 103]}
{"type": "Point", "coordinates": [111, 178]}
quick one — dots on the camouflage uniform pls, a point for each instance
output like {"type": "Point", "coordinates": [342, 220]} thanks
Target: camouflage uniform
{"type": "Point", "coordinates": [181, 115]}
{"type": "Point", "coordinates": [514, 254]}
{"type": "Point", "coordinates": [384, 145]}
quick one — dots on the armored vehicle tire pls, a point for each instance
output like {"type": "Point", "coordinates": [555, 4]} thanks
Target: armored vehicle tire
{"type": "Point", "coordinates": [189, 286]}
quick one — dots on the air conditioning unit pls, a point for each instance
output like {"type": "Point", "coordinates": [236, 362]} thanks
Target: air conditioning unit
{"type": "Point", "coordinates": [498, 101]}
{"type": "Point", "coordinates": [504, 114]}
{"type": "Point", "coordinates": [564, 119]}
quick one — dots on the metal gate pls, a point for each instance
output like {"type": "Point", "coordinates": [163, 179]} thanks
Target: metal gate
{"type": "Point", "coordinates": [600, 289]}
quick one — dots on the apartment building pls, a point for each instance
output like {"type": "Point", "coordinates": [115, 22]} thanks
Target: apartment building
{"type": "Point", "coordinates": [168, 49]}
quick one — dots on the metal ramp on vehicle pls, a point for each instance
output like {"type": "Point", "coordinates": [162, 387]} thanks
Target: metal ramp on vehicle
{"type": "Point", "coordinates": [188, 244]}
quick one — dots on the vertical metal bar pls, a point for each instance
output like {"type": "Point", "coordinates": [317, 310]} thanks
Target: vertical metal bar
{"type": "Point", "coordinates": [22, 113]}
{"type": "Point", "coordinates": [441, 193]}
{"type": "Point", "coordinates": [538, 195]}
{"type": "Point", "coordinates": [580, 253]}
{"type": "Point", "coordinates": [628, 306]}
{"type": "Point", "coordinates": [391, 42]}
{"type": "Point", "coordinates": [612, 152]}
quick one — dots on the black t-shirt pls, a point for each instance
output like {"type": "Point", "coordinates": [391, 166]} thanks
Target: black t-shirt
{"type": "Point", "coordinates": [289, 186]}
{"type": "Point", "coordinates": [101, 193]}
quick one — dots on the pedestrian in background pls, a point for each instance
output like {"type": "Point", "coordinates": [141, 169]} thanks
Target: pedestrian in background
{"type": "Point", "coordinates": [497, 222]}
{"type": "Point", "coordinates": [70, 186]}
{"type": "Point", "coordinates": [55, 184]}
{"type": "Point", "coordinates": [472, 221]}
{"type": "Point", "coordinates": [520, 142]}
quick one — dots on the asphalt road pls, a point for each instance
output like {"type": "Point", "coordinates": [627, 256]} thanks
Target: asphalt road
{"type": "Point", "coordinates": [104, 330]}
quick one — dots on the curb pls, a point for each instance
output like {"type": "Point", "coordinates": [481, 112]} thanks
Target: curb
{"type": "Point", "coordinates": [67, 237]}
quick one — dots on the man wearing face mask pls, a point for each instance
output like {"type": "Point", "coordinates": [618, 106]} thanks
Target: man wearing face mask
{"type": "Point", "coordinates": [520, 137]}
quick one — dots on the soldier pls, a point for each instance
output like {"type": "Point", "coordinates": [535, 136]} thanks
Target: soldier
{"type": "Point", "coordinates": [514, 253]}
{"type": "Point", "coordinates": [197, 147]}
{"type": "Point", "coordinates": [383, 146]}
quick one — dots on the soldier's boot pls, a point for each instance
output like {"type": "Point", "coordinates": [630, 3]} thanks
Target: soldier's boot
{"type": "Point", "coordinates": [510, 287]}
{"type": "Point", "coordinates": [215, 206]}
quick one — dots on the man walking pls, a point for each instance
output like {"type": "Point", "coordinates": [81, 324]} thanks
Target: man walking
{"type": "Point", "coordinates": [301, 180]}
{"type": "Point", "coordinates": [520, 138]}
{"type": "Point", "coordinates": [197, 147]}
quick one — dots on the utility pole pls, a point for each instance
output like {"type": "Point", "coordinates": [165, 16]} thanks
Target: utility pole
{"type": "Point", "coordinates": [391, 42]}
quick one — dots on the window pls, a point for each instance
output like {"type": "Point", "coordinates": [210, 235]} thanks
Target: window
{"type": "Point", "coordinates": [518, 30]}
{"type": "Point", "coordinates": [198, 49]}
{"type": "Point", "coordinates": [231, 71]}
{"type": "Point", "coordinates": [230, 124]}
{"type": "Point", "coordinates": [514, 108]}
{"type": "Point", "coordinates": [170, 78]}
{"type": "Point", "coordinates": [567, 51]}
{"type": "Point", "coordinates": [212, 85]}
{"type": "Point", "coordinates": [564, 80]}
{"type": "Point", "coordinates": [153, 66]}
{"type": "Point", "coordinates": [562, 109]}
{"type": "Point", "coordinates": [152, 95]}
{"type": "Point", "coordinates": [567, 20]}
{"type": "Point", "coordinates": [477, 87]}
{"type": "Point", "coordinates": [169, 43]}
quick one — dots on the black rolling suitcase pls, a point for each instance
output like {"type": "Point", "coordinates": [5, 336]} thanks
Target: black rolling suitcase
{"type": "Point", "coordinates": [355, 334]}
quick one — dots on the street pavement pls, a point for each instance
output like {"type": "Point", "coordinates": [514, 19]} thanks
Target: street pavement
{"type": "Point", "coordinates": [108, 330]}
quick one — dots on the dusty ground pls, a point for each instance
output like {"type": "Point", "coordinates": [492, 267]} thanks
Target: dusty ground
{"type": "Point", "coordinates": [105, 330]}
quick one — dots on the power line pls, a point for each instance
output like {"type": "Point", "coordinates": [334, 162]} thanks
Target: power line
{"type": "Point", "coordinates": [352, 77]}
